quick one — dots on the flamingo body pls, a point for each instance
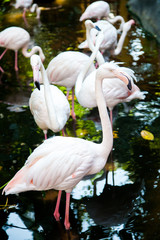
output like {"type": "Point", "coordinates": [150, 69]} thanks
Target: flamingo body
{"type": "Point", "coordinates": [15, 38]}
{"type": "Point", "coordinates": [61, 162]}
{"type": "Point", "coordinates": [27, 4]}
{"type": "Point", "coordinates": [37, 104]}
{"type": "Point", "coordinates": [24, 4]}
{"type": "Point", "coordinates": [114, 90]}
{"type": "Point", "coordinates": [97, 10]}
{"type": "Point", "coordinates": [63, 70]}
{"type": "Point", "coordinates": [110, 41]}
{"type": "Point", "coordinates": [48, 105]}
{"type": "Point", "coordinates": [65, 67]}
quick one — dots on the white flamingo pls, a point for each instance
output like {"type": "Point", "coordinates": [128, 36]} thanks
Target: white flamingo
{"type": "Point", "coordinates": [61, 162]}
{"type": "Point", "coordinates": [49, 106]}
{"type": "Point", "coordinates": [15, 38]}
{"type": "Point", "coordinates": [110, 42]}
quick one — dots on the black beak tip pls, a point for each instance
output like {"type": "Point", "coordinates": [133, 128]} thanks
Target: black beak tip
{"type": "Point", "coordinates": [129, 85]}
{"type": "Point", "coordinates": [37, 85]}
{"type": "Point", "coordinates": [96, 27]}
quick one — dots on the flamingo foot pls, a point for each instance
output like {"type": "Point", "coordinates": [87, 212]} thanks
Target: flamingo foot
{"type": "Point", "coordinates": [56, 215]}
{"type": "Point", "coordinates": [56, 212]}
{"type": "Point", "coordinates": [67, 225]}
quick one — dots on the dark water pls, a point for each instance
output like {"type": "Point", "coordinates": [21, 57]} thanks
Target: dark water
{"type": "Point", "coordinates": [122, 201]}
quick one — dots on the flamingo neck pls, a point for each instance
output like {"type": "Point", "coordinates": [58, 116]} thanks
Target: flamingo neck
{"type": "Point", "coordinates": [54, 124]}
{"type": "Point", "coordinates": [99, 56]}
{"type": "Point", "coordinates": [120, 43]}
{"type": "Point", "coordinates": [81, 76]}
{"type": "Point", "coordinates": [107, 140]}
{"type": "Point", "coordinates": [38, 11]}
{"type": "Point", "coordinates": [116, 19]}
{"type": "Point", "coordinates": [33, 51]}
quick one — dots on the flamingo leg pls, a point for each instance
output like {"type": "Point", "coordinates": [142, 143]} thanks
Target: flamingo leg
{"type": "Point", "coordinates": [3, 53]}
{"type": "Point", "coordinates": [56, 211]}
{"type": "Point", "coordinates": [1, 69]}
{"type": "Point", "coordinates": [67, 95]}
{"type": "Point", "coordinates": [111, 118]}
{"type": "Point", "coordinates": [63, 133]}
{"type": "Point", "coordinates": [72, 111]}
{"type": "Point", "coordinates": [66, 221]}
{"type": "Point", "coordinates": [16, 60]}
{"type": "Point", "coordinates": [45, 134]}
{"type": "Point", "coordinates": [24, 13]}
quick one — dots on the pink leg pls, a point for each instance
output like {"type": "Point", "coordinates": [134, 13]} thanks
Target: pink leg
{"type": "Point", "coordinates": [24, 13]}
{"type": "Point", "coordinates": [67, 95]}
{"type": "Point", "coordinates": [56, 211]}
{"type": "Point", "coordinates": [66, 221]}
{"type": "Point", "coordinates": [3, 53]}
{"type": "Point", "coordinates": [16, 60]}
{"type": "Point", "coordinates": [72, 111]}
{"type": "Point", "coordinates": [45, 134]}
{"type": "Point", "coordinates": [1, 69]}
{"type": "Point", "coordinates": [63, 132]}
{"type": "Point", "coordinates": [111, 118]}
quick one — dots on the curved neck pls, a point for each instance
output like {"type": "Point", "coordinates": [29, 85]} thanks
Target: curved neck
{"type": "Point", "coordinates": [35, 7]}
{"type": "Point", "coordinates": [33, 51]}
{"type": "Point", "coordinates": [116, 19]}
{"type": "Point", "coordinates": [107, 140]}
{"type": "Point", "coordinates": [49, 100]}
{"type": "Point", "coordinates": [99, 57]}
{"type": "Point", "coordinates": [120, 43]}
{"type": "Point", "coordinates": [83, 73]}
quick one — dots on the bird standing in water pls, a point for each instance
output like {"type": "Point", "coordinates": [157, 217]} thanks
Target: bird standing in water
{"type": "Point", "coordinates": [15, 38]}
{"type": "Point", "coordinates": [27, 4]}
{"type": "Point", "coordinates": [110, 42]}
{"type": "Point", "coordinates": [49, 106]}
{"type": "Point", "coordinates": [61, 162]}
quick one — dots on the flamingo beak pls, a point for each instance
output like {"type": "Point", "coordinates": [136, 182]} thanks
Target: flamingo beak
{"type": "Point", "coordinates": [36, 76]}
{"type": "Point", "coordinates": [37, 85]}
{"type": "Point", "coordinates": [125, 79]}
{"type": "Point", "coordinates": [97, 28]}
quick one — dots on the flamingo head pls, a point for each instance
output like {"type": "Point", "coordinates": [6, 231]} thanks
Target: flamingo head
{"type": "Point", "coordinates": [35, 62]}
{"type": "Point", "coordinates": [112, 70]}
{"type": "Point", "coordinates": [127, 25]}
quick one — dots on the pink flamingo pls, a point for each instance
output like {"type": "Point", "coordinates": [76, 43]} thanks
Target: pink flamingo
{"type": "Point", "coordinates": [99, 10]}
{"type": "Point", "coordinates": [110, 37]}
{"type": "Point", "coordinates": [27, 4]}
{"type": "Point", "coordinates": [49, 106]}
{"type": "Point", "coordinates": [16, 38]}
{"type": "Point", "coordinates": [63, 70]}
{"type": "Point", "coordinates": [61, 162]}
{"type": "Point", "coordinates": [114, 91]}
{"type": "Point", "coordinates": [53, 166]}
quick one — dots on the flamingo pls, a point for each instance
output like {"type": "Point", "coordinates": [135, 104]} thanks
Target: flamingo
{"type": "Point", "coordinates": [48, 104]}
{"type": "Point", "coordinates": [110, 37]}
{"type": "Point", "coordinates": [100, 9]}
{"type": "Point", "coordinates": [61, 162]}
{"type": "Point", "coordinates": [27, 4]}
{"type": "Point", "coordinates": [97, 10]}
{"type": "Point", "coordinates": [63, 70]}
{"type": "Point", "coordinates": [114, 91]}
{"type": "Point", "coordinates": [15, 38]}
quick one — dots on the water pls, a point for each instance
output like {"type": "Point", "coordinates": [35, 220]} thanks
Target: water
{"type": "Point", "coordinates": [122, 201]}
